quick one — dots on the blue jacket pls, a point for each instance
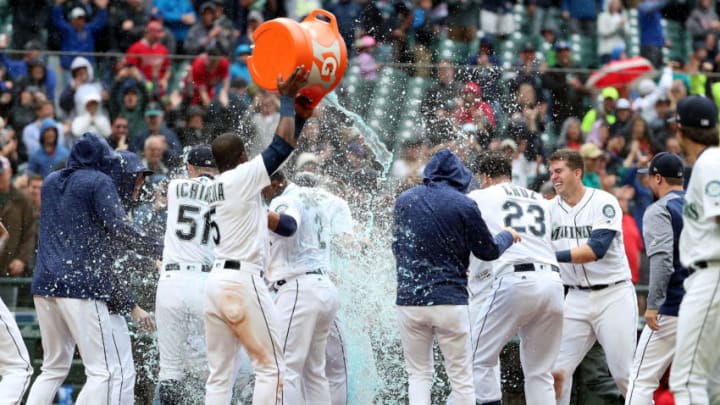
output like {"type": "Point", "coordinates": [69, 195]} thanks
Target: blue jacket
{"type": "Point", "coordinates": [77, 42]}
{"type": "Point", "coordinates": [649, 22]}
{"type": "Point", "coordinates": [582, 9]}
{"type": "Point", "coordinates": [124, 173]}
{"type": "Point", "coordinates": [172, 12]}
{"type": "Point", "coordinates": [82, 226]}
{"type": "Point", "coordinates": [18, 68]}
{"type": "Point", "coordinates": [675, 289]}
{"type": "Point", "coordinates": [436, 227]}
{"type": "Point", "coordinates": [41, 162]}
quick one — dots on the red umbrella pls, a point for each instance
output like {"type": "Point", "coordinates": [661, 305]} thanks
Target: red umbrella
{"type": "Point", "coordinates": [620, 73]}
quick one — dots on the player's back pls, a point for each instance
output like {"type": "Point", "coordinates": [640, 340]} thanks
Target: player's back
{"type": "Point", "coordinates": [191, 233]}
{"type": "Point", "coordinates": [526, 211]}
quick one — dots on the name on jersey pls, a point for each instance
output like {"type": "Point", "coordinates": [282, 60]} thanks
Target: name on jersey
{"type": "Point", "coordinates": [209, 193]}
{"type": "Point", "coordinates": [512, 191]}
{"type": "Point", "coordinates": [571, 232]}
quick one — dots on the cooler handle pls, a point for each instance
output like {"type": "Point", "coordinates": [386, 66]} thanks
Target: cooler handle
{"type": "Point", "coordinates": [330, 16]}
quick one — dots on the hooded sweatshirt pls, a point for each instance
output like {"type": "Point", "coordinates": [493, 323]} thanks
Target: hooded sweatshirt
{"type": "Point", "coordinates": [83, 225]}
{"type": "Point", "coordinates": [436, 227]}
{"type": "Point", "coordinates": [41, 162]}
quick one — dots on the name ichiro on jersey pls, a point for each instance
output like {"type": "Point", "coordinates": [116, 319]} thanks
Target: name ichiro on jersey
{"type": "Point", "coordinates": [208, 193]}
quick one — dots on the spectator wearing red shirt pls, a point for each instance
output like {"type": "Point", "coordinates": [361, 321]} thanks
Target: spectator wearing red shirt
{"type": "Point", "coordinates": [151, 57]}
{"type": "Point", "coordinates": [208, 70]}
{"type": "Point", "coordinates": [473, 107]}
{"type": "Point", "coordinates": [632, 239]}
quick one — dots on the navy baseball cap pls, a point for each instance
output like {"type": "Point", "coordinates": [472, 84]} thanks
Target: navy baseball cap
{"type": "Point", "coordinates": [201, 156]}
{"type": "Point", "coordinates": [665, 164]}
{"type": "Point", "coordinates": [696, 112]}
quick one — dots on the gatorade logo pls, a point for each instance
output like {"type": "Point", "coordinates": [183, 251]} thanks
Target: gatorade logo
{"type": "Point", "coordinates": [327, 58]}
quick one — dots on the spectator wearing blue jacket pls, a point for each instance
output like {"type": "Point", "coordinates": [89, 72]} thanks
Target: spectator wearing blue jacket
{"type": "Point", "coordinates": [82, 226]}
{"type": "Point", "coordinates": [18, 68]}
{"type": "Point", "coordinates": [239, 67]}
{"type": "Point", "coordinates": [178, 16]}
{"type": "Point", "coordinates": [582, 15]}
{"type": "Point", "coordinates": [436, 228]}
{"type": "Point", "coordinates": [652, 37]}
{"type": "Point", "coordinates": [77, 35]}
{"type": "Point", "coordinates": [51, 153]}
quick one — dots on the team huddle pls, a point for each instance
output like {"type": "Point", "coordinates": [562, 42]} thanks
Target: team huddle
{"type": "Point", "coordinates": [553, 270]}
{"type": "Point", "coordinates": [473, 270]}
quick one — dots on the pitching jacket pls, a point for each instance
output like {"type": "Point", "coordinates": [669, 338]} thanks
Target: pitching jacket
{"type": "Point", "coordinates": [82, 224]}
{"type": "Point", "coordinates": [436, 227]}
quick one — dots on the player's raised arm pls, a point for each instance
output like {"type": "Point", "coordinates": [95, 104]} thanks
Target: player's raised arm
{"type": "Point", "coordinates": [290, 125]}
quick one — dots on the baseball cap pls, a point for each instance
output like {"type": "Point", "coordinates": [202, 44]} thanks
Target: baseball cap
{"type": "Point", "coordinates": [255, 15]}
{"type": "Point", "coordinates": [153, 110]}
{"type": "Point", "coordinates": [528, 47]}
{"type": "Point", "coordinates": [696, 112]}
{"type": "Point", "coordinates": [665, 164]}
{"type": "Point", "coordinates": [4, 164]}
{"type": "Point", "coordinates": [622, 104]}
{"type": "Point", "coordinates": [590, 151]}
{"type": "Point", "coordinates": [560, 45]}
{"type": "Point", "coordinates": [508, 143]}
{"type": "Point", "coordinates": [77, 12]}
{"type": "Point", "coordinates": [208, 5]}
{"type": "Point", "coordinates": [610, 92]}
{"type": "Point", "coordinates": [201, 156]}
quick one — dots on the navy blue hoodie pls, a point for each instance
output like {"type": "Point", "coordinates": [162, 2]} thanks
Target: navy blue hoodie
{"type": "Point", "coordinates": [436, 228]}
{"type": "Point", "coordinates": [83, 225]}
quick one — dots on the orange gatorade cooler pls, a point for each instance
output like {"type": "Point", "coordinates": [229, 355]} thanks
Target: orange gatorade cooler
{"type": "Point", "coordinates": [282, 44]}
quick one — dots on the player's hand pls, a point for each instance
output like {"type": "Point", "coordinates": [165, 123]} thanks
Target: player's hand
{"type": "Point", "coordinates": [297, 80]}
{"type": "Point", "coordinates": [651, 316]}
{"type": "Point", "coordinates": [16, 267]}
{"type": "Point", "coordinates": [142, 319]}
{"type": "Point", "coordinates": [516, 236]}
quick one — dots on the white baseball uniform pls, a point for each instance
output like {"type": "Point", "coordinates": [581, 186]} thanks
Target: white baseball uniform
{"type": "Point", "coordinates": [306, 301]}
{"type": "Point", "coordinates": [123, 377]}
{"type": "Point", "coordinates": [601, 303]}
{"type": "Point", "coordinates": [695, 375]}
{"type": "Point", "coordinates": [15, 366]}
{"type": "Point", "coordinates": [527, 297]}
{"type": "Point", "coordinates": [190, 237]}
{"type": "Point", "coordinates": [235, 290]}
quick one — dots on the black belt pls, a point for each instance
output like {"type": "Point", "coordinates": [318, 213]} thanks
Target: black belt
{"type": "Point", "coordinates": [176, 267]}
{"type": "Point", "coordinates": [531, 267]}
{"type": "Point", "coordinates": [232, 265]}
{"type": "Point", "coordinates": [701, 265]}
{"type": "Point", "coordinates": [282, 282]}
{"type": "Point", "coordinates": [595, 287]}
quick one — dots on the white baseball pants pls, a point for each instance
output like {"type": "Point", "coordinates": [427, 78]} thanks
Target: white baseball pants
{"type": "Point", "coordinates": [241, 298]}
{"type": "Point", "coordinates": [695, 374]}
{"type": "Point", "coordinates": [179, 311]}
{"type": "Point", "coordinates": [608, 316]}
{"type": "Point", "coordinates": [123, 377]}
{"type": "Point", "coordinates": [336, 363]}
{"type": "Point", "coordinates": [65, 322]}
{"type": "Point", "coordinates": [15, 366]}
{"type": "Point", "coordinates": [450, 324]}
{"type": "Point", "coordinates": [530, 304]}
{"type": "Point", "coordinates": [306, 306]}
{"type": "Point", "coordinates": [653, 356]}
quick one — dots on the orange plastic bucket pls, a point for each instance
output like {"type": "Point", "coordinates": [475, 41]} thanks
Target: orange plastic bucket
{"type": "Point", "coordinates": [283, 44]}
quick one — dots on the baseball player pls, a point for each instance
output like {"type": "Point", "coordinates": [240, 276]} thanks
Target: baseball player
{"type": "Point", "coordinates": [306, 300]}
{"type": "Point", "coordinates": [238, 307]}
{"type": "Point", "coordinates": [82, 225]}
{"type": "Point", "coordinates": [695, 375]}
{"type": "Point", "coordinates": [600, 303]}
{"type": "Point", "coordinates": [436, 227]}
{"type": "Point", "coordinates": [527, 296]}
{"type": "Point", "coordinates": [662, 224]}
{"type": "Point", "coordinates": [129, 174]}
{"type": "Point", "coordinates": [190, 237]}
{"type": "Point", "coordinates": [15, 366]}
